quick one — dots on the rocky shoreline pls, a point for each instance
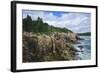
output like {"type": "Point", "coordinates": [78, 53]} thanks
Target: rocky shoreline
{"type": "Point", "coordinates": [57, 46]}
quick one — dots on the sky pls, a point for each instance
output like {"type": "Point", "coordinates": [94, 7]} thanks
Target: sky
{"type": "Point", "coordinates": [75, 21]}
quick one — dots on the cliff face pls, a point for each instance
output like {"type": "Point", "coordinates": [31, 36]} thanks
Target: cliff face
{"type": "Point", "coordinates": [54, 47]}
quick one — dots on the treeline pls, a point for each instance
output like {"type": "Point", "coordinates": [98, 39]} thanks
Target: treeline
{"type": "Point", "coordinates": [84, 34]}
{"type": "Point", "coordinates": [38, 26]}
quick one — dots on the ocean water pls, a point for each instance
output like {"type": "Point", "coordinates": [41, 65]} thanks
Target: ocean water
{"type": "Point", "coordinates": [85, 53]}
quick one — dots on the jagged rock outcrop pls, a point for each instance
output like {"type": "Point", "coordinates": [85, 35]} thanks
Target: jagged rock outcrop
{"type": "Point", "coordinates": [42, 47]}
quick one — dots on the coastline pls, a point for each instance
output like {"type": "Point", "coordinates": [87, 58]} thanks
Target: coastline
{"type": "Point", "coordinates": [54, 47]}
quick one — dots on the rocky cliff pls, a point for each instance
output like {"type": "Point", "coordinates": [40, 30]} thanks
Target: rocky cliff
{"type": "Point", "coordinates": [54, 47]}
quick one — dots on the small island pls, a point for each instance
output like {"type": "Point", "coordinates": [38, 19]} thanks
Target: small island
{"type": "Point", "coordinates": [84, 34]}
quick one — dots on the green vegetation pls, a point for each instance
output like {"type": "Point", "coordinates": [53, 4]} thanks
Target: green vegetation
{"type": "Point", "coordinates": [84, 34]}
{"type": "Point", "coordinates": [38, 26]}
{"type": "Point", "coordinates": [39, 46]}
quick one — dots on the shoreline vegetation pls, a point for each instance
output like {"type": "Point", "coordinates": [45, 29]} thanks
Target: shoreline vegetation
{"type": "Point", "coordinates": [84, 34]}
{"type": "Point", "coordinates": [42, 42]}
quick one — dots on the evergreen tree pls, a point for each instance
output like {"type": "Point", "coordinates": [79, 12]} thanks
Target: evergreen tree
{"type": "Point", "coordinates": [38, 26]}
{"type": "Point", "coordinates": [27, 24]}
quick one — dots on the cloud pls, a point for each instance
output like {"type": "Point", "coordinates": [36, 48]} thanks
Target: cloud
{"type": "Point", "coordinates": [77, 22]}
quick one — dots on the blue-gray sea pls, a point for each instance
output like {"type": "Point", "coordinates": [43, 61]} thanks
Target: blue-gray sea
{"type": "Point", "coordinates": [86, 50]}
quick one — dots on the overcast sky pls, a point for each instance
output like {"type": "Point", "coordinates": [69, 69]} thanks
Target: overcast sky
{"type": "Point", "coordinates": [77, 22]}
